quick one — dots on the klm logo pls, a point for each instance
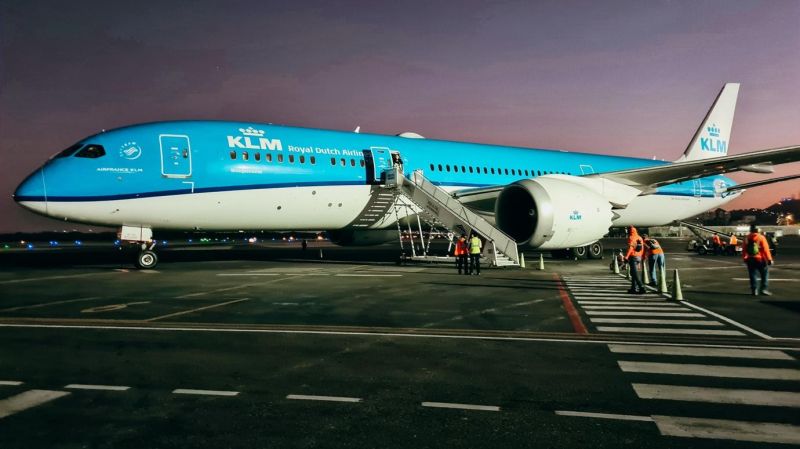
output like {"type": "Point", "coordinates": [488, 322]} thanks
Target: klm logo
{"type": "Point", "coordinates": [254, 139]}
{"type": "Point", "coordinates": [575, 216]}
{"type": "Point", "coordinates": [713, 143]}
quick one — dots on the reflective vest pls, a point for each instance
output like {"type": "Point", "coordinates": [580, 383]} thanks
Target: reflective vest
{"type": "Point", "coordinates": [716, 240]}
{"type": "Point", "coordinates": [461, 247]}
{"type": "Point", "coordinates": [635, 246]}
{"type": "Point", "coordinates": [653, 247]}
{"type": "Point", "coordinates": [733, 241]}
{"type": "Point", "coordinates": [474, 245]}
{"type": "Point", "coordinates": [756, 248]}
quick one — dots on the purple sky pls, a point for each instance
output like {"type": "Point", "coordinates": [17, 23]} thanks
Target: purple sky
{"type": "Point", "coordinates": [618, 77]}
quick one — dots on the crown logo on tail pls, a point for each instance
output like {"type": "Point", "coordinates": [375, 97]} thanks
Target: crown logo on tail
{"type": "Point", "coordinates": [713, 130]}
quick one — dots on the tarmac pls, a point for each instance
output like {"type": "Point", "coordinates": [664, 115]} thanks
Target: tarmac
{"type": "Point", "coordinates": [271, 346]}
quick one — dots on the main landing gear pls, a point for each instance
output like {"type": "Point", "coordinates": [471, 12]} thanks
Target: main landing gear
{"type": "Point", "coordinates": [591, 251]}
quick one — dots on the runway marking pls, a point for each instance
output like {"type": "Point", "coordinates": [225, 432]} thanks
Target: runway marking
{"type": "Point", "coordinates": [184, 312]}
{"type": "Point", "coordinates": [304, 397]}
{"type": "Point", "coordinates": [10, 382]}
{"type": "Point", "coordinates": [729, 321]}
{"type": "Point", "coordinates": [649, 314]}
{"type": "Point", "coordinates": [45, 304]}
{"type": "Point", "coordinates": [648, 321]}
{"type": "Point", "coordinates": [205, 392]}
{"type": "Point", "coordinates": [739, 372]}
{"type": "Point", "coordinates": [376, 334]}
{"type": "Point", "coordinates": [219, 290]}
{"type": "Point", "coordinates": [248, 274]}
{"type": "Point", "coordinates": [28, 399]}
{"type": "Point", "coordinates": [604, 416]}
{"type": "Point", "coordinates": [486, 408]}
{"type": "Point", "coordinates": [112, 307]}
{"type": "Point", "coordinates": [770, 279]}
{"type": "Point", "coordinates": [624, 303]}
{"type": "Point", "coordinates": [572, 313]}
{"type": "Point", "coordinates": [765, 354]}
{"type": "Point", "coordinates": [666, 330]}
{"type": "Point", "coordinates": [663, 308]}
{"type": "Point", "coordinates": [727, 430]}
{"type": "Point", "coordinates": [96, 387]}
{"type": "Point", "coordinates": [718, 395]}
{"type": "Point", "coordinates": [368, 275]}
{"type": "Point", "coordinates": [48, 278]}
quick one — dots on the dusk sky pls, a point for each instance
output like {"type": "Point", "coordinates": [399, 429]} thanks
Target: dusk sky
{"type": "Point", "coordinates": [619, 77]}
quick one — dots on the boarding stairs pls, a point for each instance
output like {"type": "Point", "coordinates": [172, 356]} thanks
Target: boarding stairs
{"type": "Point", "coordinates": [436, 207]}
{"type": "Point", "coordinates": [701, 232]}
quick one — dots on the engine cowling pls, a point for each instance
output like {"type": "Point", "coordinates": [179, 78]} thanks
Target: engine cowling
{"type": "Point", "coordinates": [552, 213]}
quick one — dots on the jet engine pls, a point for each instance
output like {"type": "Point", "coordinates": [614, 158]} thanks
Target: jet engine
{"type": "Point", "coordinates": [552, 213]}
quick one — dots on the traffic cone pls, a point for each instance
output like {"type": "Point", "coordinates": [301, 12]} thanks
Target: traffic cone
{"type": "Point", "coordinates": [616, 265]}
{"type": "Point", "coordinates": [662, 280]}
{"type": "Point", "coordinates": [628, 270]}
{"type": "Point", "coordinates": [677, 294]}
{"type": "Point", "coordinates": [541, 262]}
{"type": "Point", "coordinates": [521, 260]}
{"type": "Point", "coordinates": [645, 273]}
{"type": "Point", "coordinates": [320, 253]}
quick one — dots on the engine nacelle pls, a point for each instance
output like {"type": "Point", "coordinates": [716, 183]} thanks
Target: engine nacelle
{"type": "Point", "coordinates": [361, 237]}
{"type": "Point", "coordinates": [552, 213]}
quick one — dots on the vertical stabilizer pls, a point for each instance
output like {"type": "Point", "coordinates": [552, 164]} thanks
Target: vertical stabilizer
{"type": "Point", "coordinates": [712, 137]}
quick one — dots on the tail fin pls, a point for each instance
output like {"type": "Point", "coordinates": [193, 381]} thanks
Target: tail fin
{"type": "Point", "coordinates": [712, 137]}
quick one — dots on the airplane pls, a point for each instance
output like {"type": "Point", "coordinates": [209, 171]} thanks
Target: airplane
{"type": "Point", "coordinates": [229, 176]}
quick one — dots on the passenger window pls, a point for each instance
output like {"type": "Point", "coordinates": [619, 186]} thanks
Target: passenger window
{"type": "Point", "coordinates": [455, 168]}
{"type": "Point", "coordinates": [526, 172]}
{"type": "Point", "coordinates": [512, 172]}
{"type": "Point", "coordinates": [257, 156]}
{"type": "Point", "coordinates": [245, 156]}
{"type": "Point", "coordinates": [333, 161]}
{"type": "Point", "coordinates": [447, 167]}
{"type": "Point", "coordinates": [280, 158]}
{"type": "Point", "coordinates": [492, 170]}
{"type": "Point", "coordinates": [69, 151]}
{"type": "Point", "coordinates": [291, 158]}
{"type": "Point", "coordinates": [313, 160]}
{"type": "Point", "coordinates": [352, 162]}
{"type": "Point", "coordinates": [361, 162]}
{"type": "Point", "coordinates": [538, 173]}
{"type": "Point", "coordinates": [484, 170]}
{"type": "Point", "coordinates": [440, 167]}
{"type": "Point", "coordinates": [470, 169]}
{"type": "Point", "coordinates": [342, 162]}
{"type": "Point", "coordinates": [91, 152]}
{"type": "Point", "coordinates": [233, 155]}
{"type": "Point", "coordinates": [268, 157]}
{"type": "Point", "coordinates": [431, 167]}
{"type": "Point", "coordinates": [302, 159]}
{"type": "Point", "coordinates": [506, 171]}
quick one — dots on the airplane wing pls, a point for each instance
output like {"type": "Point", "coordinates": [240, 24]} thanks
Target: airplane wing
{"type": "Point", "coordinates": [651, 177]}
{"type": "Point", "coordinates": [762, 182]}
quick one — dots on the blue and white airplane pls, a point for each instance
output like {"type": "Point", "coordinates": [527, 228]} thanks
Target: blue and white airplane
{"type": "Point", "coordinates": [217, 175]}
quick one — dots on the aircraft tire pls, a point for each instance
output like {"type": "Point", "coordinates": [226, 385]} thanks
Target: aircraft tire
{"type": "Point", "coordinates": [580, 252]}
{"type": "Point", "coordinates": [146, 260]}
{"type": "Point", "coordinates": [595, 250]}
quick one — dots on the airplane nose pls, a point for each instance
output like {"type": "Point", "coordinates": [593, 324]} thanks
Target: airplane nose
{"type": "Point", "coordinates": [32, 194]}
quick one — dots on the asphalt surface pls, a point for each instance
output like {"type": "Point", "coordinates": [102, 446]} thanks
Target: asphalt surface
{"type": "Point", "coordinates": [271, 346]}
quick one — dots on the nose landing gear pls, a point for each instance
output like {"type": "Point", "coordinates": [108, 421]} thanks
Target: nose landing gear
{"type": "Point", "coordinates": [146, 260]}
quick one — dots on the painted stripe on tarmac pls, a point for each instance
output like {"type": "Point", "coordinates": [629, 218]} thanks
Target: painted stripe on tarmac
{"type": "Point", "coordinates": [368, 275]}
{"type": "Point", "coordinates": [486, 408]}
{"type": "Point", "coordinates": [248, 274]}
{"type": "Point", "coordinates": [765, 354]}
{"type": "Point", "coordinates": [604, 416]}
{"type": "Point", "coordinates": [590, 302]}
{"type": "Point", "coordinates": [723, 429]}
{"type": "Point", "coordinates": [10, 382]}
{"type": "Point", "coordinates": [770, 279]}
{"type": "Point", "coordinates": [667, 330]}
{"type": "Point", "coordinates": [306, 397]}
{"type": "Point", "coordinates": [184, 312]}
{"type": "Point", "coordinates": [97, 387]}
{"type": "Point", "coordinates": [687, 369]}
{"type": "Point", "coordinates": [729, 321]}
{"type": "Point", "coordinates": [664, 308]}
{"type": "Point", "coordinates": [28, 399]}
{"type": "Point", "coordinates": [718, 395]}
{"type": "Point", "coordinates": [205, 392]}
{"type": "Point", "coordinates": [658, 314]}
{"type": "Point", "coordinates": [649, 321]}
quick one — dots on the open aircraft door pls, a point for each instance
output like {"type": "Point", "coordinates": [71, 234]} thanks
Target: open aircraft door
{"type": "Point", "coordinates": [376, 161]}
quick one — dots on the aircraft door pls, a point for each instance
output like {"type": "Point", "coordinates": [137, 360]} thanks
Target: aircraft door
{"type": "Point", "coordinates": [697, 187]}
{"type": "Point", "coordinates": [176, 156]}
{"type": "Point", "coordinates": [376, 160]}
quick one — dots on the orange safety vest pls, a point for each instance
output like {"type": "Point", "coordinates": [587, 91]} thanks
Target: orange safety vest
{"type": "Point", "coordinates": [756, 243]}
{"type": "Point", "coordinates": [653, 247]}
{"type": "Point", "coordinates": [635, 246]}
{"type": "Point", "coordinates": [461, 248]}
{"type": "Point", "coordinates": [733, 241]}
{"type": "Point", "coordinates": [716, 240]}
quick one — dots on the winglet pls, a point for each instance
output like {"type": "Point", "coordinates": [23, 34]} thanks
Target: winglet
{"type": "Point", "coordinates": [712, 137]}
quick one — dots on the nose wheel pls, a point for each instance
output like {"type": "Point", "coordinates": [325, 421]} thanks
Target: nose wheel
{"type": "Point", "coordinates": [146, 260]}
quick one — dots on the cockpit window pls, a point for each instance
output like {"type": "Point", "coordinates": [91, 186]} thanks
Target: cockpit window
{"type": "Point", "coordinates": [92, 152]}
{"type": "Point", "coordinates": [69, 151]}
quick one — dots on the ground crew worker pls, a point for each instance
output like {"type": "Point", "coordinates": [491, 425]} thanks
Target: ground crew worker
{"type": "Point", "coordinates": [634, 258]}
{"type": "Point", "coordinates": [475, 246]}
{"type": "Point", "coordinates": [655, 257]}
{"type": "Point", "coordinates": [732, 242]}
{"type": "Point", "coordinates": [717, 242]}
{"type": "Point", "coordinates": [758, 258]}
{"type": "Point", "coordinates": [461, 254]}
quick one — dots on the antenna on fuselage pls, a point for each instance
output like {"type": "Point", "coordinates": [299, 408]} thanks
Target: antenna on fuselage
{"type": "Point", "coordinates": [357, 130]}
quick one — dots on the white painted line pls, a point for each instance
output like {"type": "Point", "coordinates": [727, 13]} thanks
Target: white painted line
{"type": "Point", "coordinates": [97, 387]}
{"type": "Point", "coordinates": [633, 301]}
{"type": "Point", "coordinates": [667, 314]}
{"type": "Point", "coordinates": [604, 416]}
{"type": "Point", "coordinates": [369, 275]}
{"type": "Point", "coordinates": [45, 304]}
{"type": "Point", "coordinates": [667, 330]}
{"type": "Point", "coordinates": [371, 334]}
{"type": "Point", "coordinates": [248, 274]}
{"type": "Point", "coordinates": [486, 408]}
{"type": "Point", "coordinates": [664, 308]}
{"type": "Point", "coordinates": [739, 372]}
{"type": "Point", "coordinates": [205, 392]}
{"type": "Point", "coordinates": [26, 400]}
{"type": "Point", "coordinates": [648, 321]}
{"type": "Point", "coordinates": [10, 382]}
{"type": "Point", "coordinates": [727, 430]}
{"type": "Point", "coordinates": [624, 303]}
{"type": "Point", "coordinates": [718, 395]}
{"type": "Point", "coordinates": [771, 279]}
{"type": "Point", "coordinates": [305, 397]}
{"type": "Point", "coordinates": [765, 354]}
{"type": "Point", "coordinates": [729, 321]}
{"type": "Point", "coordinates": [212, 306]}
